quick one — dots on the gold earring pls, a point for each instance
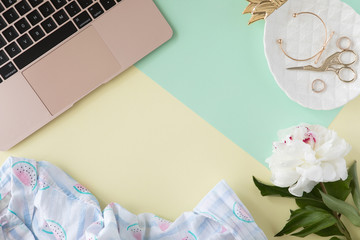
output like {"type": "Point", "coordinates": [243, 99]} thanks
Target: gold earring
{"type": "Point", "coordinates": [318, 54]}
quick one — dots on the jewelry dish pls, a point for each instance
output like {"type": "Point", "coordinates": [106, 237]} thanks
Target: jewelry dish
{"type": "Point", "coordinates": [303, 37]}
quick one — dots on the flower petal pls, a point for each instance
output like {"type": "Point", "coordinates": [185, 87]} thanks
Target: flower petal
{"type": "Point", "coordinates": [313, 173]}
{"type": "Point", "coordinates": [303, 185]}
{"type": "Point", "coordinates": [328, 173]}
{"type": "Point", "coordinates": [284, 177]}
{"type": "Point", "coordinates": [341, 170]}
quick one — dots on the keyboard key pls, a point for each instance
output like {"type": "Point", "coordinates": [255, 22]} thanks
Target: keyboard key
{"type": "Point", "coordinates": [46, 9]}
{"type": "Point", "coordinates": [10, 33]}
{"type": "Point", "coordinates": [10, 15]}
{"type": "Point", "coordinates": [7, 70]}
{"type": "Point", "coordinates": [2, 23]}
{"type": "Point", "coordinates": [34, 3]}
{"type": "Point", "coordinates": [22, 25]}
{"type": "Point", "coordinates": [58, 3]}
{"type": "Point", "coordinates": [24, 41]}
{"type": "Point", "coordinates": [95, 10]}
{"type": "Point", "coordinates": [34, 17]}
{"type": "Point", "coordinates": [3, 57]}
{"type": "Point", "coordinates": [12, 49]}
{"type": "Point", "coordinates": [2, 42]}
{"type": "Point", "coordinates": [45, 45]}
{"type": "Point", "coordinates": [36, 33]}
{"type": "Point", "coordinates": [72, 8]}
{"type": "Point", "coordinates": [22, 7]}
{"type": "Point", "coordinates": [1, 7]}
{"type": "Point", "coordinates": [82, 19]}
{"type": "Point", "coordinates": [48, 25]}
{"type": "Point", "coordinates": [84, 3]}
{"type": "Point", "coordinates": [107, 4]}
{"type": "Point", "coordinates": [60, 17]}
{"type": "Point", "coordinates": [8, 3]}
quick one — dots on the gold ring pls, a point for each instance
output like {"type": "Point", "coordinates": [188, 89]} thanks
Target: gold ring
{"type": "Point", "coordinates": [317, 82]}
{"type": "Point", "coordinates": [338, 43]}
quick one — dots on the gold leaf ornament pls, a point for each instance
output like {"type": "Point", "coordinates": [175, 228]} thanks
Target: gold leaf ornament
{"type": "Point", "coordinates": [261, 9]}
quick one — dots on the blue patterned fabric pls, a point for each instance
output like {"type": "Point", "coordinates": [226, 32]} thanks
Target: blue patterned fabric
{"type": "Point", "coordinates": [40, 201]}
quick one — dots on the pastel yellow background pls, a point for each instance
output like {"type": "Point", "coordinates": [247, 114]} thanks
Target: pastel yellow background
{"type": "Point", "coordinates": [133, 143]}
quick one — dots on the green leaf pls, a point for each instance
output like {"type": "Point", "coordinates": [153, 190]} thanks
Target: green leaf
{"type": "Point", "coordinates": [315, 192]}
{"type": "Point", "coordinates": [312, 199]}
{"type": "Point", "coordinates": [330, 231]}
{"type": "Point", "coordinates": [305, 218]}
{"type": "Point", "coordinates": [293, 223]}
{"type": "Point", "coordinates": [335, 238]}
{"type": "Point", "coordinates": [268, 190]}
{"type": "Point", "coordinates": [342, 207]}
{"type": "Point", "coordinates": [339, 189]}
{"type": "Point", "coordinates": [355, 185]}
{"type": "Point", "coordinates": [303, 202]}
{"type": "Point", "coordinates": [320, 225]}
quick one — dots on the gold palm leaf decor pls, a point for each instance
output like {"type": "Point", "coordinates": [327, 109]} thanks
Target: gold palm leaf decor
{"type": "Point", "coordinates": [261, 9]}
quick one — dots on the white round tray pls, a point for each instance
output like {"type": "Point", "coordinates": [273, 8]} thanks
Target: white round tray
{"type": "Point", "coordinates": [303, 36]}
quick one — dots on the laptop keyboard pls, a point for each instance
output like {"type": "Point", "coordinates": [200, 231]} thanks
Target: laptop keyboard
{"type": "Point", "coordinates": [30, 28]}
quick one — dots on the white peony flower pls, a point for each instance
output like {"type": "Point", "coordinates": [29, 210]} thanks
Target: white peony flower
{"type": "Point", "coordinates": [306, 155]}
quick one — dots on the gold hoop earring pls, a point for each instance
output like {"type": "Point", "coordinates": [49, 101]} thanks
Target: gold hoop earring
{"type": "Point", "coordinates": [319, 53]}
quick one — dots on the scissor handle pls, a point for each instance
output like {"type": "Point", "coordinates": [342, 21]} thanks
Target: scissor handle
{"type": "Point", "coordinates": [338, 73]}
{"type": "Point", "coordinates": [341, 62]}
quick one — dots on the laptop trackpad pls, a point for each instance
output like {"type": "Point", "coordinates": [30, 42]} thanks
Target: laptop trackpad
{"type": "Point", "coordinates": [72, 70]}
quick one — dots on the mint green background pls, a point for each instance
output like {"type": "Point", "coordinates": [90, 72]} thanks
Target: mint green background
{"type": "Point", "coordinates": [215, 64]}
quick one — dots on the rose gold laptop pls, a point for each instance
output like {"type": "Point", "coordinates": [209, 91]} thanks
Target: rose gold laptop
{"type": "Point", "coordinates": [54, 52]}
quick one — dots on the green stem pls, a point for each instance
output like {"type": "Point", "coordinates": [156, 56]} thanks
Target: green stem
{"type": "Point", "coordinates": [339, 223]}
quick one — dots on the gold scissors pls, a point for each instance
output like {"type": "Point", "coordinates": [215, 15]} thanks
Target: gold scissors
{"type": "Point", "coordinates": [335, 63]}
